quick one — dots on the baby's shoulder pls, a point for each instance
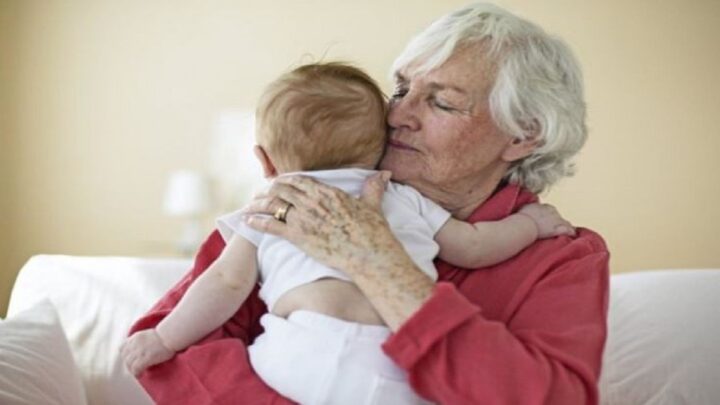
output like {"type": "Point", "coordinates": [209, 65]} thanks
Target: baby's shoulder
{"type": "Point", "coordinates": [401, 197]}
{"type": "Point", "coordinates": [402, 191]}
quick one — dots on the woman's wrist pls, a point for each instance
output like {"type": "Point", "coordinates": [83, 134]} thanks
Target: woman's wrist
{"type": "Point", "coordinates": [394, 285]}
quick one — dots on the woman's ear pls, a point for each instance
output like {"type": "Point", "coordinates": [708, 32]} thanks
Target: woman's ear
{"type": "Point", "coordinates": [520, 148]}
{"type": "Point", "coordinates": [267, 164]}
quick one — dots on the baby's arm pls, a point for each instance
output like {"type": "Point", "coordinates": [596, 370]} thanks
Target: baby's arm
{"type": "Point", "coordinates": [209, 302]}
{"type": "Point", "coordinates": [486, 243]}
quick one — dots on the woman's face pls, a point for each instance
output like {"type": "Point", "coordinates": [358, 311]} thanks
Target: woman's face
{"type": "Point", "coordinates": [442, 137]}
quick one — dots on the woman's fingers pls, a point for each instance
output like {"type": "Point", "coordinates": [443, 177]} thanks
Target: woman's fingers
{"type": "Point", "coordinates": [304, 201]}
{"type": "Point", "coordinates": [325, 222]}
{"type": "Point", "coordinates": [374, 188]}
{"type": "Point", "coordinates": [314, 206]}
{"type": "Point", "coordinates": [266, 205]}
{"type": "Point", "coordinates": [269, 225]}
{"type": "Point", "coordinates": [280, 194]}
{"type": "Point", "coordinates": [311, 192]}
{"type": "Point", "coordinates": [285, 193]}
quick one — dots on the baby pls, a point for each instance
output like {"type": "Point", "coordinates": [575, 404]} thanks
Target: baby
{"type": "Point", "coordinates": [322, 338]}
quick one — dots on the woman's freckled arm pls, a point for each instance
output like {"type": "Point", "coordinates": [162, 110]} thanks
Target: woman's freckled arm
{"type": "Point", "coordinates": [392, 282]}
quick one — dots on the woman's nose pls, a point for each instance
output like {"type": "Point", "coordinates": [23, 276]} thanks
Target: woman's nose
{"type": "Point", "coordinates": [404, 114]}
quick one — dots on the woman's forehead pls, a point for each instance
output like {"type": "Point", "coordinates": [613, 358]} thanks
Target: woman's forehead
{"type": "Point", "coordinates": [464, 76]}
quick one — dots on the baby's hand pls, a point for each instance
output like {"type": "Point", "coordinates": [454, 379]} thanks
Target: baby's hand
{"type": "Point", "coordinates": [144, 349]}
{"type": "Point", "coordinates": [549, 223]}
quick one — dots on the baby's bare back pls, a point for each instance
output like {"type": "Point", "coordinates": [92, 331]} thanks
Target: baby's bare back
{"type": "Point", "coordinates": [333, 297]}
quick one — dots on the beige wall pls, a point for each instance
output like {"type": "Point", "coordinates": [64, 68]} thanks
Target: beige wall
{"type": "Point", "coordinates": [106, 98]}
{"type": "Point", "coordinates": [7, 119]}
{"type": "Point", "coordinates": [648, 178]}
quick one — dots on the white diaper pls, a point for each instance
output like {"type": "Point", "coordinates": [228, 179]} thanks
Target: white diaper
{"type": "Point", "coordinates": [315, 359]}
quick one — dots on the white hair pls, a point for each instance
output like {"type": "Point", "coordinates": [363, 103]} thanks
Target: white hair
{"type": "Point", "coordinates": [537, 91]}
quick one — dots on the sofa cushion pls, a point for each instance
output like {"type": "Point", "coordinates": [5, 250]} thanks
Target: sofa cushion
{"type": "Point", "coordinates": [664, 338]}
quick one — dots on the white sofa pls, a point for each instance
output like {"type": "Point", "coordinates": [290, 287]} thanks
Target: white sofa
{"type": "Point", "coordinates": [663, 345]}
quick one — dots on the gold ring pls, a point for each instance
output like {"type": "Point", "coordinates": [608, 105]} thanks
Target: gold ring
{"type": "Point", "coordinates": [281, 213]}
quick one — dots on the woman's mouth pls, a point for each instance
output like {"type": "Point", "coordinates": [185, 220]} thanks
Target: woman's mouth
{"type": "Point", "coordinates": [399, 145]}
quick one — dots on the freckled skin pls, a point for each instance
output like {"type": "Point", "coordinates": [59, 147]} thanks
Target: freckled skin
{"type": "Point", "coordinates": [458, 158]}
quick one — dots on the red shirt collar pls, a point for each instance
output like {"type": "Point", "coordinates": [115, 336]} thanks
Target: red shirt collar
{"type": "Point", "coordinates": [506, 200]}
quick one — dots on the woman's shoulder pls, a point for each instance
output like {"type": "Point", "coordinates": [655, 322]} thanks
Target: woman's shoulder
{"type": "Point", "coordinates": [589, 240]}
{"type": "Point", "coordinates": [586, 249]}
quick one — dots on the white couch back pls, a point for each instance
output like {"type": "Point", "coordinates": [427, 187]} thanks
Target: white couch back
{"type": "Point", "coordinates": [663, 345]}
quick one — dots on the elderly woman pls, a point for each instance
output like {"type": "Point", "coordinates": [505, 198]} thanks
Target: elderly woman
{"type": "Point", "coordinates": [488, 111]}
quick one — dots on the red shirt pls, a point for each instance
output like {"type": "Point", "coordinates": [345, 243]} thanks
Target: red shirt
{"type": "Point", "coordinates": [529, 330]}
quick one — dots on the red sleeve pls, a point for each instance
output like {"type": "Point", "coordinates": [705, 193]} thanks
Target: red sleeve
{"type": "Point", "coordinates": [548, 352]}
{"type": "Point", "coordinates": [216, 370]}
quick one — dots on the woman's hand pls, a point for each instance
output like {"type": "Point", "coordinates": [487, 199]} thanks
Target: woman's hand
{"type": "Point", "coordinates": [349, 234]}
{"type": "Point", "coordinates": [329, 225]}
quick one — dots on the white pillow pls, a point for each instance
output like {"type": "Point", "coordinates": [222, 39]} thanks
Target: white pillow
{"type": "Point", "coordinates": [97, 299]}
{"type": "Point", "coordinates": [36, 366]}
{"type": "Point", "coordinates": [664, 339]}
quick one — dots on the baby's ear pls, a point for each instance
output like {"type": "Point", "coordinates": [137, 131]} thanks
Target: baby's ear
{"type": "Point", "coordinates": [269, 170]}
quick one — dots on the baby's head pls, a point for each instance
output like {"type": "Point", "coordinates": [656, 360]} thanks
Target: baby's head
{"type": "Point", "coordinates": [321, 116]}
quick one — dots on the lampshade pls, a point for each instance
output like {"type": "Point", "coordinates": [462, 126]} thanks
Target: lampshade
{"type": "Point", "coordinates": [187, 194]}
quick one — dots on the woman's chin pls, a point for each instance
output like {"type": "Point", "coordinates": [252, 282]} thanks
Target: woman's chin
{"type": "Point", "coordinates": [397, 173]}
{"type": "Point", "coordinates": [396, 164]}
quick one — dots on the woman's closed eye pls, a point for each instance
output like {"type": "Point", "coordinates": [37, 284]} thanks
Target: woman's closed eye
{"type": "Point", "coordinates": [441, 104]}
{"type": "Point", "coordinates": [433, 100]}
{"type": "Point", "coordinates": [398, 93]}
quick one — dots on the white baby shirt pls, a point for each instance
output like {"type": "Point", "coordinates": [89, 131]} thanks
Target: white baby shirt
{"type": "Point", "coordinates": [413, 219]}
